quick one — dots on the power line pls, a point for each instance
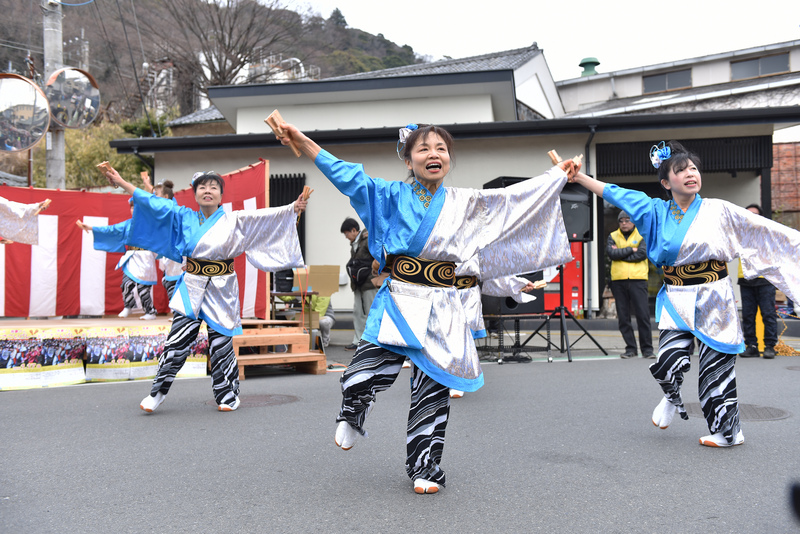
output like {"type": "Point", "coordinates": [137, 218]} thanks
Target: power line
{"type": "Point", "coordinates": [73, 5]}
{"type": "Point", "coordinates": [133, 64]}
{"type": "Point", "coordinates": [27, 46]}
{"type": "Point", "coordinates": [24, 49]}
{"type": "Point", "coordinates": [136, 21]}
{"type": "Point", "coordinates": [99, 17]}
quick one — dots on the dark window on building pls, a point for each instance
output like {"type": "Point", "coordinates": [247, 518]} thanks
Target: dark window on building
{"type": "Point", "coordinates": [665, 82]}
{"type": "Point", "coordinates": [762, 66]}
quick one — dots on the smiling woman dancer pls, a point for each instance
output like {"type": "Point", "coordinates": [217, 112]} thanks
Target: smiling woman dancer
{"type": "Point", "coordinates": [208, 290]}
{"type": "Point", "coordinates": [19, 223]}
{"type": "Point", "coordinates": [692, 238]}
{"type": "Point", "coordinates": [418, 230]}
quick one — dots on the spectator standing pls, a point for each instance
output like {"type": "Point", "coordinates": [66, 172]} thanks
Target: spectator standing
{"type": "Point", "coordinates": [364, 290]}
{"type": "Point", "coordinates": [757, 294]}
{"type": "Point", "coordinates": [629, 271]}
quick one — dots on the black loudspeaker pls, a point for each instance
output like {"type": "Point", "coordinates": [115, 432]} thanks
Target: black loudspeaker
{"type": "Point", "coordinates": [576, 206]}
{"type": "Point", "coordinates": [577, 209]}
{"type": "Point", "coordinates": [508, 306]}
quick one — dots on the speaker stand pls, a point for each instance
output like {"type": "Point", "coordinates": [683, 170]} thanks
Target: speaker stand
{"type": "Point", "coordinates": [562, 312]}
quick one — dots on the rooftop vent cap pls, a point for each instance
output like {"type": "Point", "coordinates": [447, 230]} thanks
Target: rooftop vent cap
{"type": "Point", "coordinates": [588, 64]}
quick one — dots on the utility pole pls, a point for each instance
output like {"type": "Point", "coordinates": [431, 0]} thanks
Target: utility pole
{"type": "Point", "coordinates": [53, 60]}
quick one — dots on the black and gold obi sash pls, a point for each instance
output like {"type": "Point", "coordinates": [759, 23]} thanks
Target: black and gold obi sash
{"type": "Point", "coordinates": [209, 267]}
{"type": "Point", "coordinates": [421, 271]}
{"type": "Point", "coordinates": [128, 247]}
{"type": "Point", "coordinates": [466, 282]}
{"type": "Point", "coordinates": [695, 274]}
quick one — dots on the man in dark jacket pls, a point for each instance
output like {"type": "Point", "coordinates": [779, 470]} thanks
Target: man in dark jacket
{"type": "Point", "coordinates": [364, 292]}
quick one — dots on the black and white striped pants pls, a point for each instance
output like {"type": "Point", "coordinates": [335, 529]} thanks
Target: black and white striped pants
{"type": "Point", "coordinates": [169, 285]}
{"type": "Point", "coordinates": [224, 369]}
{"type": "Point", "coordinates": [716, 382]}
{"type": "Point", "coordinates": [145, 295]}
{"type": "Point", "coordinates": [372, 370]}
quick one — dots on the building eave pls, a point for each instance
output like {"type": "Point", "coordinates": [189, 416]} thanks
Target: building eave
{"type": "Point", "coordinates": [689, 62]}
{"type": "Point", "coordinates": [564, 126]}
{"type": "Point", "coordinates": [499, 84]}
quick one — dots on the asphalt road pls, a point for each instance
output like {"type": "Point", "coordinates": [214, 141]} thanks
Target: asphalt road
{"type": "Point", "coordinates": [542, 447]}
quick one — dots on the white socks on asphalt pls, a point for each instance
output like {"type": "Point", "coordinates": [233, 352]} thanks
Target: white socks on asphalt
{"type": "Point", "coordinates": [150, 403]}
{"type": "Point", "coordinates": [663, 414]}
{"type": "Point", "coordinates": [422, 486]}
{"type": "Point", "coordinates": [718, 440]}
{"type": "Point", "coordinates": [345, 436]}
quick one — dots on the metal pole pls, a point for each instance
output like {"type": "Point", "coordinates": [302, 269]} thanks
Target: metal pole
{"type": "Point", "coordinates": [53, 60]}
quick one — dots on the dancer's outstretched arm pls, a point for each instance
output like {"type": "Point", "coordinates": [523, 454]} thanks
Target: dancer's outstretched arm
{"type": "Point", "coordinates": [595, 186]}
{"type": "Point", "coordinates": [306, 145]}
{"type": "Point", "coordinates": [116, 180]}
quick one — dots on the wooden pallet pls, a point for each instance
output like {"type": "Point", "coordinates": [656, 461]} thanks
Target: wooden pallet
{"type": "Point", "coordinates": [266, 335]}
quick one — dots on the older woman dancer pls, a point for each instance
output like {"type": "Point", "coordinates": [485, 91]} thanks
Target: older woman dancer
{"type": "Point", "coordinates": [209, 291]}
{"type": "Point", "coordinates": [692, 238]}
{"type": "Point", "coordinates": [418, 231]}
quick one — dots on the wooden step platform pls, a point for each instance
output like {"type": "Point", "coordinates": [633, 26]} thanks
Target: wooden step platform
{"type": "Point", "coordinates": [268, 336]}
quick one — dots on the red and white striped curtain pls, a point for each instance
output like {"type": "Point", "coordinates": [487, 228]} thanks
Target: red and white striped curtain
{"type": "Point", "coordinates": [64, 275]}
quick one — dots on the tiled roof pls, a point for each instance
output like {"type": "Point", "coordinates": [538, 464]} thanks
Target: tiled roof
{"type": "Point", "coordinates": [13, 179]}
{"type": "Point", "coordinates": [208, 114]}
{"type": "Point", "coordinates": [506, 60]}
{"type": "Point", "coordinates": [509, 59]}
{"type": "Point", "coordinates": [658, 101]}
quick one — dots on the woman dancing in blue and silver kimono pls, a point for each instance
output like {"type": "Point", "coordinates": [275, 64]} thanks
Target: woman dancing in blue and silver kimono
{"type": "Point", "coordinates": [418, 231]}
{"type": "Point", "coordinates": [208, 291]}
{"type": "Point", "coordinates": [692, 239]}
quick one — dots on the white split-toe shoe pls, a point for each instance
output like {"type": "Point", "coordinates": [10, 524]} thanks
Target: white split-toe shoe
{"type": "Point", "coordinates": [425, 486]}
{"type": "Point", "coordinates": [150, 403]}
{"type": "Point", "coordinates": [229, 407]}
{"type": "Point", "coordinates": [345, 436]}
{"type": "Point", "coordinates": [718, 440]}
{"type": "Point", "coordinates": [663, 414]}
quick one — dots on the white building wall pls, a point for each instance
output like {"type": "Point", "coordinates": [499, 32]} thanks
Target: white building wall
{"type": "Point", "coordinates": [535, 88]}
{"type": "Point", "coordinates": [372, 114]}
{"type": "Point", "coordinates": [477, 161]}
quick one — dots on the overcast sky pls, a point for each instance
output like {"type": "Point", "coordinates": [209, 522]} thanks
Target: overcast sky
{"type": "Point", "coordinates": [620, 34]}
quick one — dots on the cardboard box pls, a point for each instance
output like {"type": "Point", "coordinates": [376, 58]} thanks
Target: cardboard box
{"type": "Point", "coordinates": [324, 279]}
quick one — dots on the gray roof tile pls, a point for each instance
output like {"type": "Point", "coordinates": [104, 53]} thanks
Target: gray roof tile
{"type": "Point", "coordinates": [508, 59]}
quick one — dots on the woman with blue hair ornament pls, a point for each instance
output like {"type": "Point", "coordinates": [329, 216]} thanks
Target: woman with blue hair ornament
{"type": "Point", "coordinates": [208, 291]}
{"type": "Point", "coordinates": [692, 239]}
{"type": "Point", "coordinates": [419, 230]}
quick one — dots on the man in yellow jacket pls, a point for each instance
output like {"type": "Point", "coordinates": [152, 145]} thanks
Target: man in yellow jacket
{"type": "Point", "coordinates": [629, 271]}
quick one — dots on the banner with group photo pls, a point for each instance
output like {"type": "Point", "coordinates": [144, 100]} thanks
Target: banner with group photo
{"type": "Point", "coordinates": [34, 358]}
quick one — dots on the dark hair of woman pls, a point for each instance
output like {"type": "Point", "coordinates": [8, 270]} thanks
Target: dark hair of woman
{"type": "Point", "coordinates": [678, 160]}
{"type": "Point", "coordinates": [165, 186]}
